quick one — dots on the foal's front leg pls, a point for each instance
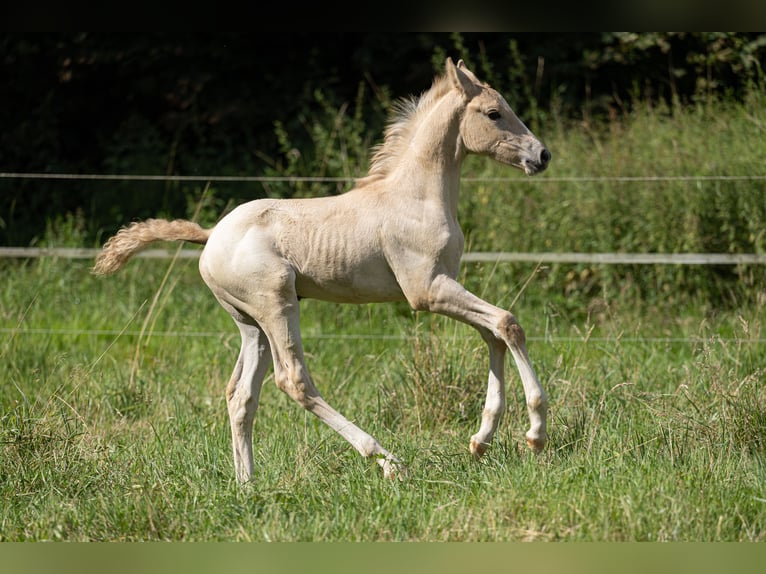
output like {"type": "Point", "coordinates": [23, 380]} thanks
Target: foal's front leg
{"type": "Point", "coordinates": [501, 331]}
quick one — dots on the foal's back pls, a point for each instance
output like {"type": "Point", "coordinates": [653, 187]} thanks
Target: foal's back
{"type": "Point", "coordinates": [331, 246]}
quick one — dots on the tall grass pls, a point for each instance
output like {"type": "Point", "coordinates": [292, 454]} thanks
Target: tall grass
{"type": "Point", "coordinates": [113, 422]}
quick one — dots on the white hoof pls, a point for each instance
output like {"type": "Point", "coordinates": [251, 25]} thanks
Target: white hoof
{"type": "Point", "coordinates": [393, 469]}
{"type": "Point", "coordinates": [477, 448]}
{"type": "Point", "coordinates": [536, 441]}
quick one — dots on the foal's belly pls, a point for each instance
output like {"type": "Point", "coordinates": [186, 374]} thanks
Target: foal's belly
{"type": "Point", "coordinates": [364, 284]}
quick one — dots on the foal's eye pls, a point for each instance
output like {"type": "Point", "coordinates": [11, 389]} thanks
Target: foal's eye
{"type": "Point", "coordinates": [493, 115]}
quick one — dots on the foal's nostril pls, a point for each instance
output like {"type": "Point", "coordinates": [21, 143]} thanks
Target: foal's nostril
{"type": "Point", "coordinates": [545, 156]}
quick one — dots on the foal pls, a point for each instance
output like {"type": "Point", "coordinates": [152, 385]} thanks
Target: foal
{"type": "Point", "coordinates": [394, 237]}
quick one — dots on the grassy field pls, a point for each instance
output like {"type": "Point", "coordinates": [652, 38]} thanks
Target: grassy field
{"type": "Point", "coordinates": [113, 423]}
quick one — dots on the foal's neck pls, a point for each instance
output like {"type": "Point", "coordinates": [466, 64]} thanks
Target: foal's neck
{"type": "Point", "coordinates": [435, 156]}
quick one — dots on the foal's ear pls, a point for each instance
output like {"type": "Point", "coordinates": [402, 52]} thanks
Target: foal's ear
{"type": "Point", "coordinates": [461, 66]}
{"type": "Point", "coordinates": [462, 79]}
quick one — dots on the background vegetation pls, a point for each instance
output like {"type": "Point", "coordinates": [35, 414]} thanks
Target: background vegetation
{"type": "Point", "coordinates": [237, 104]}
{"type": "Point", "coordinates": [112, 417]}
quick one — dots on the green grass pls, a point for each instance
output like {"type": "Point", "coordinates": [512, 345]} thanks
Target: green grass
{"type": "Point", "coordinates": [113, 423]}
{"type": "Point", "coordinates": [649, 440]}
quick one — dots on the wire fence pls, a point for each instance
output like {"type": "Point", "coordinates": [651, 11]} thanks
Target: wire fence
{"type": "Point", "coordinates": [308, 179]}
{"type": "Point", "coordinates": [373, 336]}
{"type": "Point", "coordinates": [471, 257]}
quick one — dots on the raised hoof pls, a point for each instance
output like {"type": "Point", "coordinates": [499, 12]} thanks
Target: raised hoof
{"type": "Point", "coordinates": [477, 448]}
{"type": "Point", "coordinates": [535, 443]}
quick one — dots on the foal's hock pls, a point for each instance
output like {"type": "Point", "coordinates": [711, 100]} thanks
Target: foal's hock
{"type": "Point", "coordinates": [395, 236]}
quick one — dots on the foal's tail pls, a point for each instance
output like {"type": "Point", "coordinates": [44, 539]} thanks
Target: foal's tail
{"type": "Point", "coordinates": [137, 236]}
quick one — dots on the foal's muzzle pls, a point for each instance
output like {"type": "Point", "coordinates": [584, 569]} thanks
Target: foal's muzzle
{"type": "Point", "coordinates": [535, 166]}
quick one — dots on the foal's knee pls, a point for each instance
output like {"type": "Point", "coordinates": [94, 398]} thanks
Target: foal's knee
{"type": "Point", "coordinates": [511, 332]}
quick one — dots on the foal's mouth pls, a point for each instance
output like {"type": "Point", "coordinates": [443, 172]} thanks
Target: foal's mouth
{"type": "Point", "coordinates": [533, 167]}
{"type": "Point", "coordinates": [539, 165]}
{"type": "Point", "coordinates": [515, 155]}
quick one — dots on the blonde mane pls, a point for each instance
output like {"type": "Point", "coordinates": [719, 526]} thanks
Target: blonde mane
{"type": "Point", "coordinates": [403, 120]}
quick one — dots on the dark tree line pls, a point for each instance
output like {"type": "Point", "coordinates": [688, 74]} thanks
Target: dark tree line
{"type": "Point", "coordinates": [200, 104]}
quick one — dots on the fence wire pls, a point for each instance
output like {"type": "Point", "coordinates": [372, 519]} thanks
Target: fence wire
{"type": "Point", "coordinates": [475, 257]}
{"type": "Point", "coordinates": [309, 179]}
{"type": "Point", "coordinates": [370, 336]}
{"type": "Point", "coordinates": [470, 257]}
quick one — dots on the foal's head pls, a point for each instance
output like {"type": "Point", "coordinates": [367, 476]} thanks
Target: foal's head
{"type": "Point", "coordinates": [489, 126]}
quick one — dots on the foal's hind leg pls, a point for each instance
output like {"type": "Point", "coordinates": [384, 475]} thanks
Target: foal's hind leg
{"type": "Point", "coordinates": [242, 394]}
{"type": "Point", "coordinates": [281, 322]}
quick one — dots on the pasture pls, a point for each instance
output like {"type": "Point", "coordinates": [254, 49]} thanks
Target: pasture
{"type": "Point", "coordinates": [113, 420]}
